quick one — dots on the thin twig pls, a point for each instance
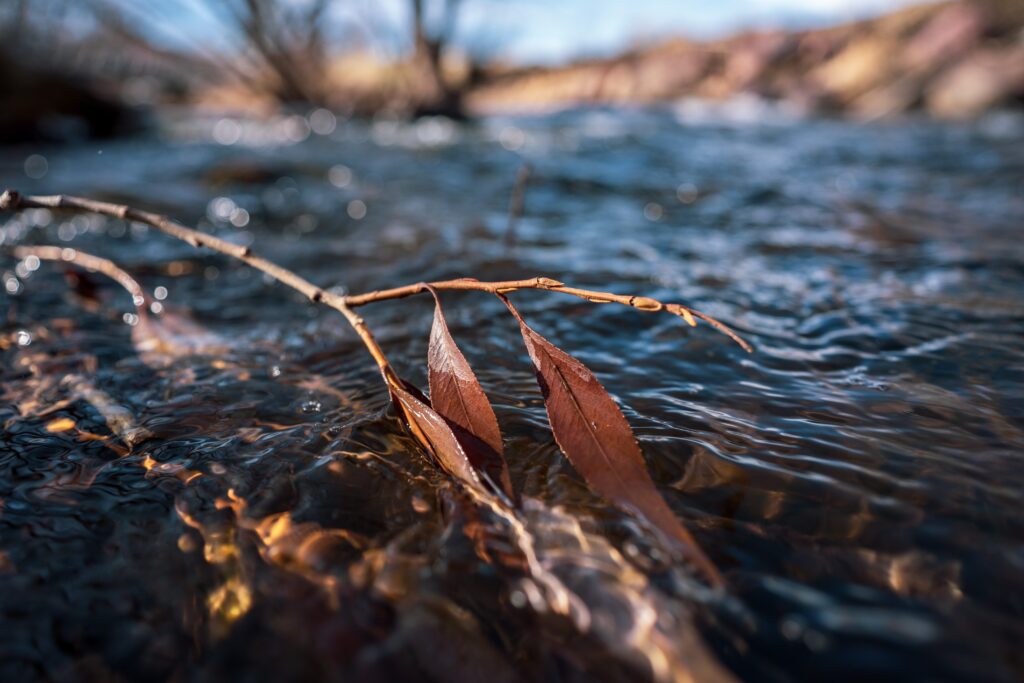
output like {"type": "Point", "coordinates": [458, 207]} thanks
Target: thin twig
{"type": "Point", "coordinates": [517, 203]}
{"type": "Point", "coordinates": [13, 201]}
{"type": "Point", "coordinates": [642, 303]}
{"type": "Point", "coordinates": [93, 264]}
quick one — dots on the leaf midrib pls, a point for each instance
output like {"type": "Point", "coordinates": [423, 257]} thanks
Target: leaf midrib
{"type": "Point", "coordinates": [604, 453]}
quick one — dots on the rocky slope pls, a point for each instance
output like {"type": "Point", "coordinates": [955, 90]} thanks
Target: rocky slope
{"type": "Point", "coordinates": [953, 60]}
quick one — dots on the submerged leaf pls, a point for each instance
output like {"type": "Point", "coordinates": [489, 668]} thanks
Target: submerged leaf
{"type": "Point", "coordinates": [592, 432]}
{"type": "Point", "coordinates": [433, 433]}
{"type": "Point", "coordinates": [456, 394]}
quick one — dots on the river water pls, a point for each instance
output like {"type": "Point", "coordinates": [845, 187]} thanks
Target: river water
{"type": "Point", "coordinates": [250, 508]}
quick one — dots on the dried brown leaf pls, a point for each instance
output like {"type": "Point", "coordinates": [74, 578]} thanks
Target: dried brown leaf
{"type": "Point", "coordinates": [595, 436]}
{"type": "Point", "coordinates": [433, 433]}
{"type": "Point", "coordinates": [456, 394]}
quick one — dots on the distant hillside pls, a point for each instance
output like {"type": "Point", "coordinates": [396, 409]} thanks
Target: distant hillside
{"type": "Point", "coordinates": [952, 60]}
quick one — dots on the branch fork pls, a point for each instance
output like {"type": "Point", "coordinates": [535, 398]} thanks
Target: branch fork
{"type": "Point", "coordinates": [456, 425]}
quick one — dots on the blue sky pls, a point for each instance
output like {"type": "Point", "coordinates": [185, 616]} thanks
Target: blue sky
{"type": "Point", "coordinates": [555, 30]}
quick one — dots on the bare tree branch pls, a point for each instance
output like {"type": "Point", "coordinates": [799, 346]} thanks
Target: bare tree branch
{"type": "Point", "coordinates": [273, 44]}
{"type": "Point", "coordinates": [642, 303]}
{"type": "Point", "coordinates": [13, 201]}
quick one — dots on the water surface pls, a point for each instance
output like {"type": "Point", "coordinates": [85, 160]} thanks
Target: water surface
{"type": "Point", "coordinates": [257, 511]}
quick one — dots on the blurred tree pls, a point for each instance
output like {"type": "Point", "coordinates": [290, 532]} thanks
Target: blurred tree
{"type": "Point", "coordinates": [43, 92]}
{"type": "Point", "coordinates": [431, 35]}
{"type": "Point", "coordinates": [274, 46]}
{"type": "Point", "coordinates": [281, 48]}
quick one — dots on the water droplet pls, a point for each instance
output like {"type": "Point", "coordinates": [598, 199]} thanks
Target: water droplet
{"type": "Point", "coordinates": [687, 193]}
{"type": "Point", "coordinates": [239, 218]}
{"type": "Point", "coordinates": [653, 211]}
{"type": "Point", "coordinates": [36, 166]}
{"type": "Point", "coordinates": [512, 138]}
{"type": "Point", "coordinates": [220, 209]}
{"type": "Point", "coordinates": [792, 628]}
{"type": "Point", "coordinates": [323, 122]}
{"type": "Point", "coordinates": [227, 132]}
{"type": "Point", "coordinates": [295, 128]}
{"type": "Point", "coordinates": [160, 293]}
{"type": "Point", "coordinates": [24, 338]}
{"type": "Point", "coordinates": [518, 599]}
{"type": "Point", "coordinates": [357, 209]}
{"type": "Point", "coordinates": [275, 371]}
{"type": "Point", "coordinates": [311, 406]}
{"type": "Point", "coordinates": [340, 175]}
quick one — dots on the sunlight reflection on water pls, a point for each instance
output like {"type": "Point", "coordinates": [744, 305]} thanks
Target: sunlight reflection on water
{"type": "Point", "coordinates": [857, 479]}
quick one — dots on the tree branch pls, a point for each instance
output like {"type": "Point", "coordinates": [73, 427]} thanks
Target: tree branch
{"type": "Point", "coordinates": [13, 201]}
{"type": "Point", "coordinates": [642, 303]}
{"type": "Point", "coordinates": [94, 264]}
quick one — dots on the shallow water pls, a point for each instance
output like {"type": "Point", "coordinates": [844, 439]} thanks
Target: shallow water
{"type": "Point", "coordinates": [257, 511]}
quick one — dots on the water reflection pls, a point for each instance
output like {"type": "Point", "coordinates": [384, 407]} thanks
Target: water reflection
{"type": "Point", "coordinates": [259, 511]}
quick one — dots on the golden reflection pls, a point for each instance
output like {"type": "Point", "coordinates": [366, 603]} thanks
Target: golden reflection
{"type": "Point", "coordinates": [118, 418]}
{"type": "Point", "coordinates": [233, 598]}
{"type": "Point", "coordinates": [304, 548]}
{"type": "Point", "coordinates": [61, 424]}
{"type": "Point", "coordinates": [917, 574]}
{"type": "Point", "coordinates": [227, 604]}
{"type": "Point", "coordinates": [174, 469]}
{"type": "Point", "coordinates": [187, 543]}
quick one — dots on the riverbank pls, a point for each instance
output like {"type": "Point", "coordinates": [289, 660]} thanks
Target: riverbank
{"type": "Point", "coordinates": [951, 60]}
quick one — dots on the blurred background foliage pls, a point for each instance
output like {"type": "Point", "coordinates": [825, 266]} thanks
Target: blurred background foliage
{"type": "Point", "coordinates": [75, 68]}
